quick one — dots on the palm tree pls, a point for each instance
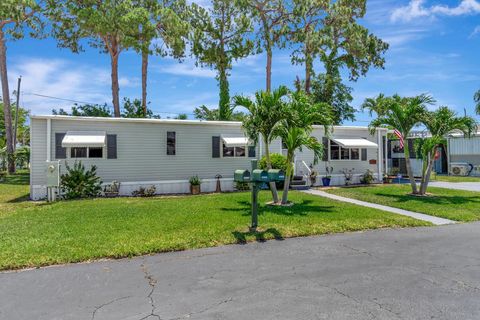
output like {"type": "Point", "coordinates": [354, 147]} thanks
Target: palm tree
{"type": "Point", "coordinates": [296, 129]}
{"type": "Point", "coordinates": [440, 123]}
{"type": "Point", "coordinates": [265, 114]}
{"type": "Point", "coordinates": [401, 113]}
{"type": "Point", "coordinates": [476, 98]}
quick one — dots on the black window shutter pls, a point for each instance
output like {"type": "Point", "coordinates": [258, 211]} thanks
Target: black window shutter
{"type": "Point", "coordinates": [111, 146]}
{"type": "Point", "coordinates": [251, 152]}
{"type": "Point", "coordinates": [325, 149]}
{"type": "Point", "coordinates": [364, 154]}
{"type": "Point", "coordinates": [216, 147]}
{"type": "Point", "coordinates": [60, 152]}
{"type": "Point", "coordinates": [411, 149]}
{"type": "Point", "coordinates": [389, 146]}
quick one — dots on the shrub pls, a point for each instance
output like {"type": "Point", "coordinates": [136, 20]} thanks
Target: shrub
{"type": "Point", "coordinates": [145, 192]}
{"type": "Point", "coordinates": [278, 162]}
{"type": "Point", "coordinates": [368, 177]}
{"type": "Point", "coordinates": [195, 181]}
{"type": "Point", "coordinates": [78, 182]}
{"type": "Point", "coordinates": [242, 186]}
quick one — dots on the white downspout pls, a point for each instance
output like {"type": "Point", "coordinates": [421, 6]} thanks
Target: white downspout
{"type": "Point", "coordinates": [379, 153]}
{"type": "Point", "coordinates": [49, 139]}
{"type": "Point", "coordinates": [386, 152]}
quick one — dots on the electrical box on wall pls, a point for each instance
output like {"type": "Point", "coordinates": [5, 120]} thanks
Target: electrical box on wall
{"type": "Point", "coordinates": [53, 173]}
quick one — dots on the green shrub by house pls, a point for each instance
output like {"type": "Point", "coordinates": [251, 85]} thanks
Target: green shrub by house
{"type": "Point", "coordinates": [79, 182]}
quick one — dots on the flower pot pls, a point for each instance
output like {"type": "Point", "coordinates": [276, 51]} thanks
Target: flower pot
{"type": "Point", "coordinates": [195, 189]}
{"type": "Point", "coordinates": [326, 181]}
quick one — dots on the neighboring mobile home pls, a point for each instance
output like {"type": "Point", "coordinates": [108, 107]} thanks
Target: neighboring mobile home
{"type": "Point", "coordinates": [166, 152]}
{"type": "Point", "coordinates": [464, 154]}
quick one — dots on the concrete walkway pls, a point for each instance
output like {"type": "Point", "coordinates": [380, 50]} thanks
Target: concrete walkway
{"type": "Point", "coordinates": [467, 186]}
{"type": "Point", "coordinates": [416, 215]}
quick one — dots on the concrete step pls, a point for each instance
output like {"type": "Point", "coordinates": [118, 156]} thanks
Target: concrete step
{"type": "Point", "coordinates": [298, 182]}
{"type": "Point", "coordinates": [299, 187]}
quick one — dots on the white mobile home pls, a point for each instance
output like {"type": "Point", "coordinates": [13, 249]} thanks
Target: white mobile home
{"type": "Point", "coordinates": [464, 154]}
{"type": "Point", "coordinates": [166, 153]}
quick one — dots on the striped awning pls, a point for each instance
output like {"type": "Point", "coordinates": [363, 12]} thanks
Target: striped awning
{"type": "Point", "coordinates": [355, 143]}
{"type": "Point", "coordinates": [235, 141]}
{"type": "Point", "coordinates": [84, 139]}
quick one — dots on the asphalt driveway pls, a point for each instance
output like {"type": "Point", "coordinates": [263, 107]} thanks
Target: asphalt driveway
{"type": "Point", "coordinates": [424, 273]}
{"type": "Point", "coordinates": [467, 186]}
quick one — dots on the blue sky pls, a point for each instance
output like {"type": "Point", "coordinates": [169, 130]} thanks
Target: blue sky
{"type": "Point", "coordinates": [434, 48]}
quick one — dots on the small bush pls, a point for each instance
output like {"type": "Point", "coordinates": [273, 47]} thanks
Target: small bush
{"type": "Point", "coordinates": [78, 182]}
{"type": "Point", "coordinates": [368, 177]}
{"type": "Point", "coordinates": [278, 162]}
{"type": "Point", "coordinates": [242, 186]}
{"type": "Point", "coordinates": [145, 192]}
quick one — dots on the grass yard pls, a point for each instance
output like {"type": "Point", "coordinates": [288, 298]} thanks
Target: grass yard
{"type": "Point", "coordinates": [455, 179]}
{"type": "Point", "coordinates": [39, 233]}
{"type": "Point", "coordinates": [446, 203]}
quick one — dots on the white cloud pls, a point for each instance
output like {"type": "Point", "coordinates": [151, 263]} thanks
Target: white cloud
{"type": "Point", "coordinates": [414, 9]}
{"type": "Point", "coordinates": [465, 7]}
{"type": "Point", "coordinates": [186, 69]}
{"type": "Point", "coordinates": [475, 32]}
{"type": "Point", "coordinates": [417, 9]}
{"type": "Point", "coordinates": [62, 79]}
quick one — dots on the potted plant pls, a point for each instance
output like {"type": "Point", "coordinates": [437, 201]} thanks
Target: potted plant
{"type": "Point", "coordinates": [111, 190]}
{"type": "Point", "coordinates": [328, 177]}
{"type": "Point", "coordinates": [195, 183]}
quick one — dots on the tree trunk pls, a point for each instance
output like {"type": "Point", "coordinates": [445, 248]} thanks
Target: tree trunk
{"type": "Point", "coordinates": [6, 104]}
{"type": "Point", "coordinates": [224, 101]}
{"type": "Point", "coordinates": [288, 176]}
{"type": "Point", "coordinates": [308, 72]}
{"type": "Point", "coordinates": [426, 178]}
{"type": "Point", "coordinates": [115, 85]}
{"type": "Point", "coordinates": [144, 81]}
{"type": "Point", "coordinates": [269, 70]}
{"type": "Point", "coordinates": [409, 168]}
{"type": "Point", "coordinates": [273, 186]}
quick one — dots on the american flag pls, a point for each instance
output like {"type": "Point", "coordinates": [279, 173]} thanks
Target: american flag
{"type": "Point", "coordinates": [400, 137]}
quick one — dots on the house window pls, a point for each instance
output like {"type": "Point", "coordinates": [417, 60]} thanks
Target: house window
{"type": "Point", "coordinates": [339, 153]}
{"type": "Point", "coordinates": [78, 152]}
{"type": "Point", "coordinates": [171, 142]}
{"type": "Point", "coordinates": [86, 152]}
{"type": "Point", "coordinates": [231, 152]}
{"type": "Point", "coordinates": [95, 152]}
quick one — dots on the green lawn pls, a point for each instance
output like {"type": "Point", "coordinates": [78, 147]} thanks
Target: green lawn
{"type": "Point", "coordinates": [450, 204]}
{"type": "Point", "coordinates": [38, 233]}
{"type": "Point", "coordinates": [455, 179]}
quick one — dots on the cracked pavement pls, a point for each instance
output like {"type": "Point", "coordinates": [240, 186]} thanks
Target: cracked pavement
{"type": "Point", "coordinates": [414, 273]}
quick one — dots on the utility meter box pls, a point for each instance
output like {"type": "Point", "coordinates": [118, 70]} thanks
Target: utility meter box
{"type": "Point", "coordinates": [53, 173]}
{"type": "Point", "coordinates": [260, 175]}
{"type": "Point", "coordinates": [276, 175]}
{"type": "Point", "coordinates": [242, 176]}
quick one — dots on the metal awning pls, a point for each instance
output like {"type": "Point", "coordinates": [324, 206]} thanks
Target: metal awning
{"type": "Point", "coordinates": [84, 139]}
{"type": "Point", "coordinates": [355, 143]}
{"type": "Point", "coordinates": [235, 141]}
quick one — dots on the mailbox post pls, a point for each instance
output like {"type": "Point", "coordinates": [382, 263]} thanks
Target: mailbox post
{"type": "Point", "coordinates": [255, 188]}
{"type": "Point", "coordinates": [257, 178]}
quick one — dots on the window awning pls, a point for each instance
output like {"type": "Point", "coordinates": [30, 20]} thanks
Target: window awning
{"type": "Point", "coordinates": [355, 143]}
{"type": "Point", "coordinates": [235, 141]}
{"type": "Point", "coordinates": [84, 139]}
